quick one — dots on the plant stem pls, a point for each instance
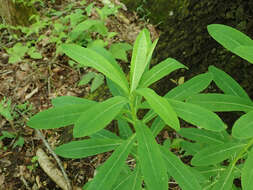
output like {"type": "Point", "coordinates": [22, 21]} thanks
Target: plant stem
{"type": "Point", "coordinates": [245, 149]}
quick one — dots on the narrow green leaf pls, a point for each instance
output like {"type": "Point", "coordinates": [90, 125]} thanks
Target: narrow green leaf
{"type": "Point", "coordinates": [231, 39]}
{"type": "Point", "coordinates": [132, 181]}
{"type": "Point", "coordinates": [58, 117]}
{"type": "Point", "coordinates": [90, 58]}
{"type": "Point", "coordinates": [179, 171]}
{"type": "Point", "coordinates": [138, 61]}
{"type": "Point", "coordinates": [190, 87]}
{"type": "Point", "coordinates": [197, 115]}
{"type": "Point", "coordinates": [88, 147]}
{"type": "Point", "coordinates": [97, 117]}
{"type": "Point", "coordinates": [202, 136]}
{"type": "Point", "coordinates": [150, 51]}
{"type": "Point", "coordinates": [247, 172]}
{"type": "Point", "coordinates": [190, 148]}
{"type": "Point", "coordinates": [109, 171]}
{"type": "Point", "coordinates": [185, 90]}
{"type": "Point", "coordinates": [216, 153]}
{"type": "Point", "coordinates": [243, 127]}
{"type": "Point", "coordinates": [119, 50]}
{"type": "Point", "coordinates": [245, 52]}
{"type": "Point", "coordinates": [97, 82]}
{"type": "Point", "coordinates": [226, 83]}
{"type": "Point", "coordinates": [157, 125]}
{"type": "Point", "coordinates": [104, 134]}
{"type": "Point", "coordinates": [159, 71]}
{"type": "Point", "coordinates": [86, 78]}
{"type": "Point", "coordinates": [221, 102]}
{"type": "Point", "coordinates": [114, 89]}
{"type": "Point", "coordinates": [225, 181]}
{"type": "Point", "coordinates": [124, 129]}
{"type": "Point", "coordinates": [151, 161]}
{"type": "Point", "coordinates": [161, 106]}
{"type": "Point", "coordinates": [71, 100]}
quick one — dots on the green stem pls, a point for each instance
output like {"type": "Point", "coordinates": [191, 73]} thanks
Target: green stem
{"type": "Point", "coordinates": [245, 149]}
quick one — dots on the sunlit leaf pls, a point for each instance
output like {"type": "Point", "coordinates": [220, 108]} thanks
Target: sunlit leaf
{"type": "Point", "coordinates": [231, 39]}
{"type": "Point", "coordinates": [71, 100]}
{"type": "Point", "coordinates": [90, 58]}
{"type": "Point", "coordinates": [161, 107]}
{"type": "Point", "coordinates": [221, 102]}
{"type": "Point", "coordinates": [202, 136]}
{"type": "Point", "coordinates": [58, 117]}
{"type": "Point", "coordinates": [197, 115]}
{"type": "Point", "coordinates": [109, 171]}
{"type": "Point", "coordinates": [247, 172]}
{"type": "Point", "coordinates": [179, 171]}
{"type": "Point", "coordinates": [138, 61]}
{"type": "Point", "coordinates": [226, 83]}
{"type": "Point", "coordinates": [98, 116]}
{"type": "Point", "coordinates": [190, 87]}
{"type": "Point", "coordinates": [216, 153]}
{"type": "Point", "coordinates": [243, 127]}
{"type": "Point", "coordinates": [225, 181]}
{"type": "Point", "coordinates": [151, 161]}
{"type": "Point", "coordinates": [88, 147]}
{"type": "Point", "coordinates": [159, 71]}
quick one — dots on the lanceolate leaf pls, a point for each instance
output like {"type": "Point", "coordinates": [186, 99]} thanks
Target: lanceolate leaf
{"type": "Point", "coordinates": [157, 125]}
{"type": "Point", "coordinates": [97, 117]}
{"type": "Point", "coordinates": [85, 148]}
{"type": "Point", "coordinates": [109, 171]}
{"type": "Point", "coordinates": [197, 115]}
{"type": "Point", "coordinates": [202, 136]}
{"type": "Point", "coordinates": [124, 129]}
{"type": "Point", "coordinates": [190, 87]}
{"type": "Point", "coordinates": [132, 181]}
{"type": "Point", "coordinates": [247, 172]}
{"type": "Point", "coordinates": [151, 161]}
{"type": "Point", "coordinates": [230, 38]}
{"type": "Point", "coordinates": [161, 106]}
{"type": "Point", "coordinates": [226, 83]}
{"type": "Point", "coordinates": [138, 61]}
{"type": "Point", "coordinates": [72, 100]}
{"type": "Point", "coordinates": [58, 117]}
{"type": "Point", "coordinates": [221, 102]}
{"type": "Point", "coordinates": [90, 58]}
{"type": "Point", "coordinates": [159, 71]}
{"type": "Point", "coordinates": [185, 90]}
{"type": "Point", "coordinates": [243, 127]}
{"type": "Point", "coordinates": [245, 52]}
{"type": "Point", "coordinates": [217, 153]}
{"type": "Point", "coordinates": [179, 171]}
{"type": "Point", "coordinates": [225, 181]}
{"type": "Point", "coordinates": [114, 89]}
{"type": "Point", "coordinates": [150, 53]}
{"type": "Point", "coordinates": [104, 134]}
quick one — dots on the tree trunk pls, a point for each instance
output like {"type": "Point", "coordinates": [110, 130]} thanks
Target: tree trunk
{"type": "Point", "coordinates": [15, 13]}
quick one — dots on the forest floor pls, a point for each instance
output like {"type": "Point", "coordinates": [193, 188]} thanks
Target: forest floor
{"type": "Point", "coordinates": [30, 85]}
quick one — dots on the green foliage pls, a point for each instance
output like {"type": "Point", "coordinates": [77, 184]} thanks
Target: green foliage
{"type": "Point", "coordinates": [6, 109]}
{"type": "Point", "coordinates": [90, 118]}
{"type": "Point", "coordinates": [215, 151]}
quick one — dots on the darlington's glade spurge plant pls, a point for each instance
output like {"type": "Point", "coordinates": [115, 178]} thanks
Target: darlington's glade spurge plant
{"type": "Point", "coordinates": [237, 149]}
{"type": "Point", "coordinates": [155, 163]}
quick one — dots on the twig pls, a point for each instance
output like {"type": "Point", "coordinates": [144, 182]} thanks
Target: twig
{"type": "Point", "coordinates": [56, 158]}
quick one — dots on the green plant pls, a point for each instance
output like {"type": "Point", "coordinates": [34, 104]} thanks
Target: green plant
{"type": "Point", "coordinates": [224, 157]}
{"type": "Point", "coordinates": [154, 163]}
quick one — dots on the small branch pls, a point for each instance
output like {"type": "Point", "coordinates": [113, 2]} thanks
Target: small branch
{"type": "Point", "coordinates": [56, 158]}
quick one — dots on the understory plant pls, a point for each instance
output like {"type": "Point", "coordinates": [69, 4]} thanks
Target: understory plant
{"type": "Point", "coordinates": [153, 165]}
{"type": "Point", "coordinates": [223, 161]}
